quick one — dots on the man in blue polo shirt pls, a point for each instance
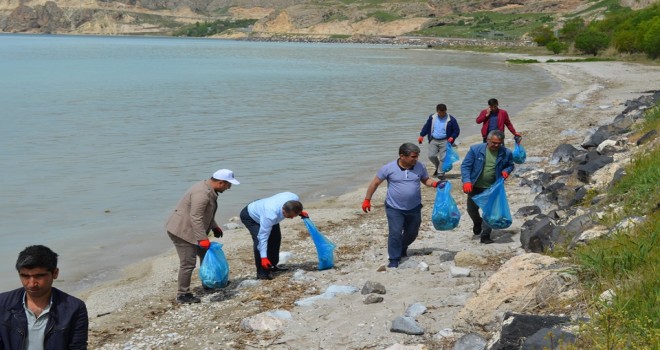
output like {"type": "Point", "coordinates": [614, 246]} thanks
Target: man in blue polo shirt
{"type": "Point", "coordinates": [403, 203]}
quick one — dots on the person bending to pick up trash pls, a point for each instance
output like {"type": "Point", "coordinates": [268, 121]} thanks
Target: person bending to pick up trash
{"type": "Point", "coordinates": [483, 165]}
{"type": "Point", "coordinates": [495, 118]}
{"type": "Point", "coordinates": [262, 218]}
{"type": "Point", "coordinates": [403, 202]}
{"type": "Point", "coordinates": [189, 225]}
{"type": "Point", "coordinates": [440, 128]}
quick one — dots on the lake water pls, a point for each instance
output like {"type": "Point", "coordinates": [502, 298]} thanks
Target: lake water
{"type": "Point", "coordinates": [100, 136]}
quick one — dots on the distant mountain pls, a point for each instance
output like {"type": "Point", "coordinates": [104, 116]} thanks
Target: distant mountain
{"type": "Point", "coordinates": [271, 17]}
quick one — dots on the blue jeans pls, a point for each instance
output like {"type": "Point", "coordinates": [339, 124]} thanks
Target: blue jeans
{"type": "Point", "coordinates": [403, 229]}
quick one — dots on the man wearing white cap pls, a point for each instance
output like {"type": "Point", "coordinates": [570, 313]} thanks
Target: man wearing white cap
{"type": "Point", "coordinates": [190, 223]}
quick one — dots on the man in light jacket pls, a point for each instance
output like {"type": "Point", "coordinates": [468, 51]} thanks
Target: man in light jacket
{"type": "Point", "coordinates": [483, 165]}
{"type": "Point", "coordinates": [190, 223]}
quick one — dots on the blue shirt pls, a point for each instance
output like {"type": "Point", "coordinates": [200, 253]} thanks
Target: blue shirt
{"type": "Point", "coordinates": [403, 185]}
{"type": "Point", "coordinates": [492, 121]}
{"type": "Point", "coordinates": [268, 213]}
{"type": "Point", "coordinates": [439, 127]}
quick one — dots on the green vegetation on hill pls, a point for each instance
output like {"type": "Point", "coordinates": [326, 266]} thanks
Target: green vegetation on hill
{"type": "Point", "coordinates": [625, 30]}
{"type": "Point", "coordinates": [491, 25]}
{"type": "Point", "coordinates": [627, 262]}
{"type": "Point", "coordinates": [211, 28]}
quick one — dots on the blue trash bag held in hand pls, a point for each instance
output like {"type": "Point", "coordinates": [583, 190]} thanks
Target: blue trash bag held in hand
{"type": "Point", "coordinates": [519, 154]}
{"type": "Point", "coordinates": [445, 211]}
{"type": "Point", "coordinates": [324, 248]}
{"type": "Point", "coordinates": [451, 157]}
{"type": "Point", "coordinates": [214, 271]}
{"type": "Point", "coordinates": [494, 206]}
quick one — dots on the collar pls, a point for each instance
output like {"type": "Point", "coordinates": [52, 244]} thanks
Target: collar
{"type": "Point", "coordinates": [402, 168]}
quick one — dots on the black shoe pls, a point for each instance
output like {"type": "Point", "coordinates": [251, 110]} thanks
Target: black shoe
{"type": "Point", "coordinates": [264, 276]}
{"type": "Point", "coordinates": [393, 264]}
{"type": "Point", "coordinates": [278, 269]}
{"type": "Point", "coordinates": [486, 240]}
{"type": "Point", "coordinates": [187, 298]}
{"type": "Point", "coordinates": [476, 229]}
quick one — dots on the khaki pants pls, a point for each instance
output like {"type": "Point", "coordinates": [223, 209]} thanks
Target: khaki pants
{"type": "Point", "coordinates": [188, 254]}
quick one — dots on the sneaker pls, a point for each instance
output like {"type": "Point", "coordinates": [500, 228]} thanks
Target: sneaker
{"type": "Point", "coordinates": [187, 298]}
{"type": "Point", "coordinates": [264, 276]}
{"type": "Point", "coordinates": [393, 264]}
{"type": "Point", "coordinates": [486, 240]}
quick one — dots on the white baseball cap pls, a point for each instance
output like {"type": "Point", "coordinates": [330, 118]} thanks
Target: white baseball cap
{"type": "Point", "coordinates": [225, 175]}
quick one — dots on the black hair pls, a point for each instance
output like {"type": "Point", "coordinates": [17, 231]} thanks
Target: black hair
{"type": "Point", "coordinates": [493, 102]}
{"type": "Point", "coordinates": [408, 148]}
{"type": "Point", "coordinates": [441, 107]}
{"type": "Point", "coordinates": [37, 256]}
{"type": "Point", "coordinates": [293, 207]}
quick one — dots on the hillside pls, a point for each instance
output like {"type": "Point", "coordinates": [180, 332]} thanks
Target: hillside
{"type": "Point", "coordinates": [272, 17]}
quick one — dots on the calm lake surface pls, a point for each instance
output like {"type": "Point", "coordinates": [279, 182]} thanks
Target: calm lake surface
{"type": "Point", "coordinates": [100, 136]}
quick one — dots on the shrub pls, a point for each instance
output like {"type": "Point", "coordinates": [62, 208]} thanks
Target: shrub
{"type": "Point", "coordinates": [572, 28]}
{"type": "Point", "coordinates": [591, 42]}
{"type": "Point", "coordinates": [543, 35]}
{"type": "Point", "coordinates": [556, 46]}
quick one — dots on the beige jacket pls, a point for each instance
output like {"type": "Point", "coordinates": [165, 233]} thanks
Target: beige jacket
{"type": "Point", "coordinates": [193, 217]}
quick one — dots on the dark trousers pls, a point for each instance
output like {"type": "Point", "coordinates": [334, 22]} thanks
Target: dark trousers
{"type": "Point", "coordinates": [480, 227]}
{"type": "Point", "coordinates": [274, 241]}
{"type": "Point", "coordinates": [403, 229]}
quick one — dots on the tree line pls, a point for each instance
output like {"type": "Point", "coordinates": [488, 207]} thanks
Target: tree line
{"type": "Point", "coordinates": [623, 29]}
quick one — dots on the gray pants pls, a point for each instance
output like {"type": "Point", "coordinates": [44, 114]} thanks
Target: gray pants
{"type": "Point", "coordinates": [437, 151]}
{"type": "Point", "coordinates": [188, 254]}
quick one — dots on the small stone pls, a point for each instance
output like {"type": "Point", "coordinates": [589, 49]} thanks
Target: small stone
{"type": "Point", "coordinates": [373, 299]}
{"type": "Point", "coordinates": [373, 287]}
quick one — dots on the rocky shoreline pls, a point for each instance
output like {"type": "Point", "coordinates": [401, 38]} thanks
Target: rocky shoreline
{"type": "Point", "coordinates": [451, 291]}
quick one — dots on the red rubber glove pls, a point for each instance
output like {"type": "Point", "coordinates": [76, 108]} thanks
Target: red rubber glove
{"type": "Point", "coordinates": [439, 184]}
{"type": "Point", "coordinates": [420, 139]}
{"type": "Point", "coordinates": [265, 263]}
{"type": "Point", "coordinates": [505, 175]}
{"type": "Point", "coordinates": [205, 243]}
{"type": "Point", "coordinates": [304, 215]}
{"type": "Point", "coordinates": [467, 187]}
{"type": "Point", "coordinates": [217, 232]}
{"type": "Point", "coordinates": [366, 205]}
{"type": "Point", "coordinates": [450, 140]}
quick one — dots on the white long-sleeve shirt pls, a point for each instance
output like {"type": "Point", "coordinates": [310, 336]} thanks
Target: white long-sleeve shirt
{"type": "Point", "coordinates": [268, 213]}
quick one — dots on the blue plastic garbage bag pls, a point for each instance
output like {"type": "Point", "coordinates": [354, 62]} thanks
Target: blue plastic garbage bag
{"type": "Point", "coordinates": [445, 211]}
{"type": "Point", "coordinates": [451, 157]}
{"type": "Point", "coordinates": [324, 248]}
{"type": "Point", "coordinates": [519, 154]}
{"type": "Point", "coordinates": [214, 271]}
{"type": "Point", "coordinates": [494, 205]}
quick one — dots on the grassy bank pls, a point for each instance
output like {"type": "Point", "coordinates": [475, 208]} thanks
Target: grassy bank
{"type": "Point", "coordinates": [627, 263]}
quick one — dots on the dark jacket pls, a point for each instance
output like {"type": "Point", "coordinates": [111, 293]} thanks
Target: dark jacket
{"type": "Point", "coordinates": [452, 128]}
{"type": "Point", "coordinates": [473, 164]}
{"type": "Point", "coordinates": [67, 322]}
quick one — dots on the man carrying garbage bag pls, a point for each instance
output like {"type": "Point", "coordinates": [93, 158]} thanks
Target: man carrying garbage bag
{"type": "Point", "coordinates": [262, 218]}
{"type": "Point", "coordinates": [482, 166]}
{"type": "Point", "coordinates": [403, 203]}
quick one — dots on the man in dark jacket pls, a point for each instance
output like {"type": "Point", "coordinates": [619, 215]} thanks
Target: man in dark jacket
{"type": "Point", "coordinates": [39, 316]}
{"type": "Point", "coordinates": [439, 128]}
